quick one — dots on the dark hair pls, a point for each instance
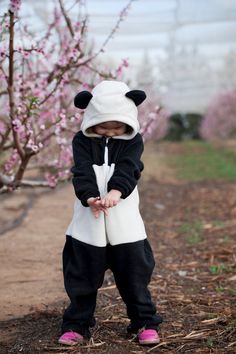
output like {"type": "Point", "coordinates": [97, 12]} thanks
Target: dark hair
{"type": "Point", "coordinates": [129, 129]}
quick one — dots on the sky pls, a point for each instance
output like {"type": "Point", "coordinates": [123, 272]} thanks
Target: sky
{"type": "Point", "coordinates": [173, 34]}
{"type": "Point", "coordinates": [160, 29]}
{"type": "Point", "coordinates": [150, 23]}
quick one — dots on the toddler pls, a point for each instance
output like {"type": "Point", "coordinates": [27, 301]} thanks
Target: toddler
{"type": "Point", "coordinates": [107, 231]}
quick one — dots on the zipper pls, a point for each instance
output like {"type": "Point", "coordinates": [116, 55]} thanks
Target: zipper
{"type": "Point", "coordinates": [106, 152]}
{"type": "Point", "coordinates": [106, 164]}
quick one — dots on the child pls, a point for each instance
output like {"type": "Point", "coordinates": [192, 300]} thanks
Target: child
{"type": "Point", "coordinates": [107, 230]}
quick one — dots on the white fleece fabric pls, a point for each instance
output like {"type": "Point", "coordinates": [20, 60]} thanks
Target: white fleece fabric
{"type": "Point", "coordinates": [123, 224]}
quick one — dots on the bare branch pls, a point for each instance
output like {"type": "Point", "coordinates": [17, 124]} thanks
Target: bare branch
{"type": "Point", "coordinates": [110, 35]}
{"type": "Point", "coordinates": [104, 75]}
{"type": "Point", "coordinates": [67, 19]}
{"type": "Point", "coordinates": [6, 187]}
{"type": "Point", "coordinates": [4, 92]}
{"type": "Point", "coordinates": [21, 170]}
{"type": "Point", "coordinates": [4, 138]}
{"type": "Point", "coordinates": [29, 183]}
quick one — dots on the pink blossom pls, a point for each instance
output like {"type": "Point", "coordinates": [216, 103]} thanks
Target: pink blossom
{"type": "Point", "coordinates": [51, 179]}
{"type": "Point", "coordinates": [10, 163]}
{"type": "Point", "coordinates": [35, 148]}
{"type": "Point", "coordinates": [125, 63]}
{"type": "Point", "coordinates": [32, 146]}
{"type": "Point", "coordinates": [65, 156]}
{"type": "Point", "coordinates": [124, 13]}
{"type": "Point", "coordinates": [61, 141]}
{"type": "Point", "coordinates": [2, 127]}
{"type": "Point", "coordinates": [47, 72]}
{"type": "Point", "coordinates": [2, 76]}
{"type": "Point", "coordinates": [64, 174]}
{"type": "Point", "coordinates": [25, 54]}
{"type": "Point", "coordinates": [154, 120]}
{"type": "Point", "coordinates": [85, 86]}
{"type": "Point", "coordinates": [17, 125]}
{"type": "Point", "coordinates": [119, 71]}
{"type": "Point", "coordinates": [14, 5]}
{"type": "Point", "coordinates": [220, 119]}
{"type": "Point", "coordinates": [3, 53]}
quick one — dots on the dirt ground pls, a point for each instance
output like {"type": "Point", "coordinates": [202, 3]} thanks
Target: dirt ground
{"type": "Point", "coordinates": [191, 227]}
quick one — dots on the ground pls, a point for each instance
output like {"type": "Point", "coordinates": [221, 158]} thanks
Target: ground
{"type": "Point", "coordinates": [191, 226]}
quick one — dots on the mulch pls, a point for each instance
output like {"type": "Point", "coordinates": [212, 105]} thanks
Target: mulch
{"type": "Point", "coordinates": [192, 231]}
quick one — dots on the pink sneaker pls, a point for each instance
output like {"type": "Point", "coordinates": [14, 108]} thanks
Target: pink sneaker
{"type": "Point", "coordinates": [70, 338]}
{"type": "Point", "coordinates": [148, 336]}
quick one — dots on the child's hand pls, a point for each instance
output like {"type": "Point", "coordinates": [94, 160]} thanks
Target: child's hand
{"type": "Point", "coordinates": [96, 206]}
{"type": "Point", "coordinates": [111, 199]}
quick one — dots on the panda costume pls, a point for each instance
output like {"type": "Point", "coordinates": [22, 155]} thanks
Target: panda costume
{"type": "Point", "coordinates": [117, 241]}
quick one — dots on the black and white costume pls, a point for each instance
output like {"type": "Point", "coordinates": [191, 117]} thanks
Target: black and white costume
{"type": "Point", "coordinates": [118, 241]}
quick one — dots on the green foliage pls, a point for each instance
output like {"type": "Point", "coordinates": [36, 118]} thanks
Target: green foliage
{"type": "Point", "coordinates": [217, 269]}
{"type": "Point", "coordinates": [184, 126]}
{"type": "Point", "coordinates": [228, 291]}
{"type": "Point", "coordinates": [212, 315]}
{"type": "Point", "coordinates": [201, 161]}
{"type": "Point", "coordinates": [231, 292]}
{"type": "Point", "coordinates": [193, 231]}
{"type": "Point", "coordinates": [220, 289]}
{"type": "Point", "coordinates": [233, 322]}
{"type": "Point", "coordinates": [210, 342]}
{"type": "Point", "coordinates": [32, 105]}
{"type": "Point", "coordinates": [226, 239]}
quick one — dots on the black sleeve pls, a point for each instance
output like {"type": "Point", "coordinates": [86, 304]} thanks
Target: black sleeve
{"type": "Point", "coordinates": [84, 178]}
{"type": "Point", "coordinates": [128, 168]}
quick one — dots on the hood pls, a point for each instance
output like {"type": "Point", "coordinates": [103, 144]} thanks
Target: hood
{"type": "Point", "coordinates": [109, 103]}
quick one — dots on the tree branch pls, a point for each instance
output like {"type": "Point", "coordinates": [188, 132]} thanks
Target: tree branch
{"type": "Point", "coordinates": [21, 170]}
{"type": "Point", "coordinates": [67, 19]}
{"type": "Point", "coordinates": [110, 35]}
{"type": "Point", "coordinates": [4, 139]}
{"type": "Point", "coordinates": [10, 86]}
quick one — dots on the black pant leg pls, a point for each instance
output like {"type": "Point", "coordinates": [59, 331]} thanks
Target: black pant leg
{"type": "Point", "coordinates": [83, 268]}
{"type": "Point", "coordinates": [132, 265]}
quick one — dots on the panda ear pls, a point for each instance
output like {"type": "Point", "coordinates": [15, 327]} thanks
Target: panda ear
{"type": "Point", "coordinates": [138, 96]}
{"type": "Point", "coordinates": [82, 99]}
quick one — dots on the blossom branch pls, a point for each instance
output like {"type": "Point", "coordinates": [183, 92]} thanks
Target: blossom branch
{"type": "Point", "coordinates": [116, 27]}
{"type": "Point", "coordinates": [42, 117]}
{"type": "Point", "coordinates": [10, 85]}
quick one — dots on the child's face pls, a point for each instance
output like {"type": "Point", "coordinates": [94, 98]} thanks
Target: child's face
{"type": "Point", "coordinates": [110, 129]}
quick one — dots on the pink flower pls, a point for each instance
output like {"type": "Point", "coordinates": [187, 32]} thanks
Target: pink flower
{"type": "Point", "coordinates": [17, 125]}
{"type": "Point", "coordinates": [125, 63]}
{"type": "Point", "coordinates": [11, 162]}
{"type": "Point", "coordinates": [85, 86]}
{"type": "Point", "coordinates": [51, 179]}
{"type": "Point", "coordinates": [44, 83]}
{"type": "Point", "coordinates": [35, 148]}
{"type": "Point", "coordinates": [2, 53]}
{"type": "Point", "coordinates": [119, 71]}
{"type": "Point", "coordinates": [2, 127]}
{"type": "Point", "coordinates": [220, 119]}
{"type": "Point", "coordinates": [32, 146]}
{"type": "Point", "coordinates": [14, 5]}
{"type": "Point", "coordinates": [25, 54]}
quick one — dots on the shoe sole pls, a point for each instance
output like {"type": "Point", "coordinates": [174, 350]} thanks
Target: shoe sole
{"type": "Point", "coordinates": [70, 342]}
{"type": "Point", "coordinates": [149, 342]}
